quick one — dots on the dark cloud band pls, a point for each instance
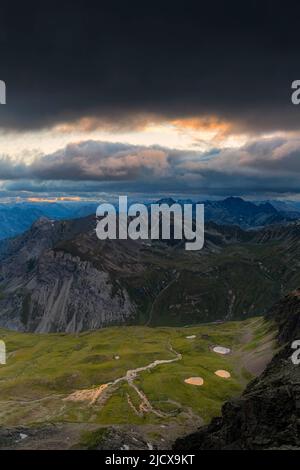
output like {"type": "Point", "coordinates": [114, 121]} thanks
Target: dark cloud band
{"type": "Point", "coordinates": [117, 60]}
{"type": "Point", "coordinates": [267, 165]}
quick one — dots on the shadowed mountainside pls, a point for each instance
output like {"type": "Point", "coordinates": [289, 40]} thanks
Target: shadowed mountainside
{"type": "Point", "coordinates": [59, 277]}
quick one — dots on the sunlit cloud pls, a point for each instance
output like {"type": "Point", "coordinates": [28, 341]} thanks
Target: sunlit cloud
{"type": "Point", "coordinates": [271, 165]}
{"type": "Point", "coordinates": [197, 133]}
{"type": "Point", "coordinates": [54, 199]}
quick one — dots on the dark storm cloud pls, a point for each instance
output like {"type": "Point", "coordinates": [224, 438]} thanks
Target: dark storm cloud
{"type": "Point", "coordinates": [116, 60]}
{"type": "Point", "coordinates": [267, 165]}
{"type": "Point", "coordinates": [90, 161]}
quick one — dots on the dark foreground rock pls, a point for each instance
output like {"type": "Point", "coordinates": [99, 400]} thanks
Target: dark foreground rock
{"type": "Point", "coordinates": [13, 438]}
{"type": "Point", "coordinates": [73, 436]}
{"type": "Point", "coordinates": [114, 438]}
{"type": "Point", "coordinates": [267, 415]}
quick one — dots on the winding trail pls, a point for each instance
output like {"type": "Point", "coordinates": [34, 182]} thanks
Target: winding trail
{"type": "Point", "coordinates": [100, 393]}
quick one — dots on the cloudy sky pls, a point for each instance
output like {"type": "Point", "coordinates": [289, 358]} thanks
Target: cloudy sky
{"type": "Point", "coordinates": [150, 97]}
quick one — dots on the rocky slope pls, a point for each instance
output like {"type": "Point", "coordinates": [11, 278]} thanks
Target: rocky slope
{"type": "Point", "coordinates": [267, 415]}
{"type": "Point", "coordinates": [46, 290]}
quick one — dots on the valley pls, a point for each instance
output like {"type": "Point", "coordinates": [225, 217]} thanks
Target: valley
{"type": "Point", "coordinates": [123, 344]}
{"type": "Point", "coordinates": [125, 380]}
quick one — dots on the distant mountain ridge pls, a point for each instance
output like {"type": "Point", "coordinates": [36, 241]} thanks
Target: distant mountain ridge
{"type": "Point", "coordinates": [246, 214]}
{"type": "Point", "coordinates": [237, 211]}
{"type": "Point", "coordinates": [18, 217]}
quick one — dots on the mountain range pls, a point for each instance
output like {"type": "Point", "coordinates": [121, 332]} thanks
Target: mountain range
{"type": "Point", "coordinates": [245, 214]}
{"type": "Point", "coordinates": [58, 276]}
{"type": "Point", "coordinates": [15, 218]}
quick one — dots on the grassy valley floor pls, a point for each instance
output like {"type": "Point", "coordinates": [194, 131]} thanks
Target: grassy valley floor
{"type": "Point", "coordinates": [63, 391]}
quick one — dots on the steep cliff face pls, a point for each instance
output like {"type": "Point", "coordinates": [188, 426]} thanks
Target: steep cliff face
{"type": "Point", "coordinates": [49, 290]}
{"type": "Point", "coordinates": [66, 294]}
{"type": "Point", "coordinates": [267, 415]}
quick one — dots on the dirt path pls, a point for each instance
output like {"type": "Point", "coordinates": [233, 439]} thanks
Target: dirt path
{"type": "Point", "coordinates": [101, 393]}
